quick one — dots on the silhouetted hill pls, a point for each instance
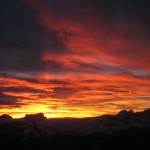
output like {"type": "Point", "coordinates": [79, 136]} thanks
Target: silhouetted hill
{"type": "Point", "coordinates": [35, 117]}
{"type": "Point", "coordinates": [124, 131]}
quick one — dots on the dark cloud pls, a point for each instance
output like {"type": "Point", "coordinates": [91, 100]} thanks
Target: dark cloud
{"type": "Point", "coordinates": [19, 28]}
{"type": "Point", "coordinates": [63, 92]}
{"type": "Point", "coordinates": [54, 44]}
{"type": "Point", "coordinates": [21, 36]}
{"type": "Point", "coordinates": [23, 39]}
{"type": "Point", "coordinates": [92, 81]}
{"type": "Point", "coordinates": [59, 82]}
{"type": "Point", "coordinates": [22, 89]}
{"type": "Point", "coordinates": [8, 100]}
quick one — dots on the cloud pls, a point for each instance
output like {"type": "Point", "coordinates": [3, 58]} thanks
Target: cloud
{"type": "Point", "coordinates": [82, 56]}
{"type": "Point", "coordinates": [7, 100]}
{"type": "Point", "coordinates": [23, 39]}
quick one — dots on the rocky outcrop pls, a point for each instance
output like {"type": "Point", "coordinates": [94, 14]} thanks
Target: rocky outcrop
{"type": "Point", "coordinates": [124, 114]}
{"type": "Point", "coordinates": [5, 118]}
{"type": "Point", "coordinates": [35, 117]}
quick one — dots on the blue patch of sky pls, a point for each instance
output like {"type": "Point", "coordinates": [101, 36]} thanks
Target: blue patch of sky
{"type": "Point", "coordinates": [112, 70]}
{"type": "Point", "coordinates": [140, 73]}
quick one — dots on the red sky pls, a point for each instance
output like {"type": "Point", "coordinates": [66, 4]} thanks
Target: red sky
{"type": "Point", "coordinates": [74, 58]}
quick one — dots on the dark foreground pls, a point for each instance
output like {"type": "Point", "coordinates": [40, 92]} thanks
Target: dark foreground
{"type": "Point", "coordinates": [131, 139]}
{"type": "Point", "coordinates": [124, 131]}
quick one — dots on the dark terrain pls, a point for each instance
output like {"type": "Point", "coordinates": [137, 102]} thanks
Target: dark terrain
{"type": "Point", "coordinates": [125, 131]}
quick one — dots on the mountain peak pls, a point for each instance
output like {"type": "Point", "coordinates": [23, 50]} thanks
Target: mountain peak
{"type": "Point", "coordinates": [146, 111]}
{"type": "Point", "coordinates": [124, 114]}
{"type": "Point", "coordinates": [35, 117]}
{"type": "Point", "coordinates": [5, 118]}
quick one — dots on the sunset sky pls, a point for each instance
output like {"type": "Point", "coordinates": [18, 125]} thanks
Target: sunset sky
{"type": "Point", "coordinates": [74, 58]}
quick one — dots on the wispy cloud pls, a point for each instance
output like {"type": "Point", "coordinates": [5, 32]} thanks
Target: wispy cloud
{"type": "Point", "coordinates": [74, 58]}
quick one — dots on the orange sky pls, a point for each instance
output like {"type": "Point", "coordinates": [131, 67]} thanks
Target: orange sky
{"type": "Point", "coordinates": [74, 59]}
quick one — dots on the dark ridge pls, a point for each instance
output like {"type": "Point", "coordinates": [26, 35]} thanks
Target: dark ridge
{"type": "Point", "coordinates": [124, 131]}
{"type": "Point", "coordinates": [34, 117]}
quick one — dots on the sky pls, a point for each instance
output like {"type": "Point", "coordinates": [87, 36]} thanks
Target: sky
{"type": "Point", "coordinates": [74, 58]}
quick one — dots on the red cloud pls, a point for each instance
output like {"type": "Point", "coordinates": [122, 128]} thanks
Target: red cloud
{"type": "Point", "coordinates": [106, 64]}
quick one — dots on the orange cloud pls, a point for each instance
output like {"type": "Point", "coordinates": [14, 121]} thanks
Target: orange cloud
{"type": "Point", "coordinates": [101, 66]}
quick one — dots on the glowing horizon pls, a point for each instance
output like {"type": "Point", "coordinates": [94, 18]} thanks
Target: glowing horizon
{"type": "Point", "coordinates": [17, 113]}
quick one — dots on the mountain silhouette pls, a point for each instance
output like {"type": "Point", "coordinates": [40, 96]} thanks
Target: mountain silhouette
{"type": "Point", "coordinates": [124, 131]}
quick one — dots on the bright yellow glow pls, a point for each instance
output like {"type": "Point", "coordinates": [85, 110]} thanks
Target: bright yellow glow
{"type": "Point", "coordinates": [82, 98]}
